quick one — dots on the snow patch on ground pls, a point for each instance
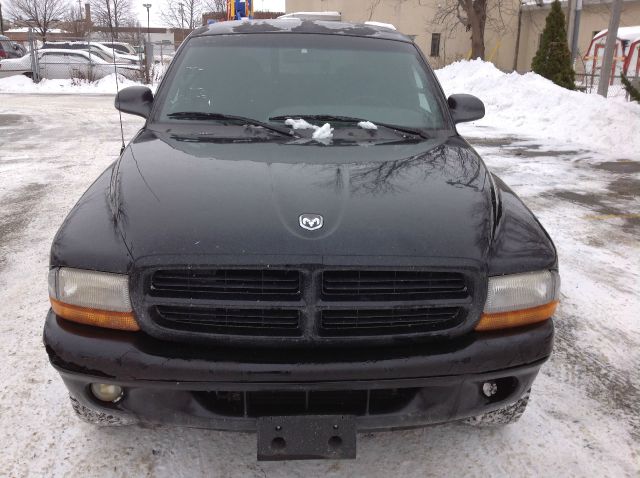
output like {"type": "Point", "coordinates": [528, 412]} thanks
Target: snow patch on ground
{"type": "Point", "coordinates": [530, 105]}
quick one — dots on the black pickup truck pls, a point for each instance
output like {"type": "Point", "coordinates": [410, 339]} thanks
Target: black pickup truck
{"type": "Point", "coordinates": [299, 243]}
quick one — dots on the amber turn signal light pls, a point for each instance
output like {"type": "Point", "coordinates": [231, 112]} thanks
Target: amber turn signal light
{"type": "Point", "coordinates": [516, 318]}
{"type": "Point", "coordinates": [99, 318]}
{"type": "Point", "coordinates": [94, 298]}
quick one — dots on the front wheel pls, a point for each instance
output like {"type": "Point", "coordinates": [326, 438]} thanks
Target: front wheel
{"type": "Point", "coordinates": [97, 417]}
{"type": "Point", "coordinates": [501, 416]}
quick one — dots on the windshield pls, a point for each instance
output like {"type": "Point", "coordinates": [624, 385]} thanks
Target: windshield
{"type": "Point", "coordinates": [270, 76]}
{"type": "Point", "coordinates": [100, 54]}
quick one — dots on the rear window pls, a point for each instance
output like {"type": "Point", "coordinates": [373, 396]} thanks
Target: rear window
{"type": "Point", "coordinates": [267, 75]}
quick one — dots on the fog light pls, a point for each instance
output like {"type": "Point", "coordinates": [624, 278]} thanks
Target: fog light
{"type": "Point", "coordinates": [106, 392]}
{"type": "Point", "coordinates": [489, 389]}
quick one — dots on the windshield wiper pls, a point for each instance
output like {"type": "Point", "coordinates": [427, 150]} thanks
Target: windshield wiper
{"type": "Point", "coordinates": [349, 119]}
{"type": "Point", "coordinates": [202, 115]}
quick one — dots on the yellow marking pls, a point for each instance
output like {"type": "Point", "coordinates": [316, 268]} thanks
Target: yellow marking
{"type": "Point", "coordinates": [495, 49]}
{"type": "Point", "coordinates": [603, 217]}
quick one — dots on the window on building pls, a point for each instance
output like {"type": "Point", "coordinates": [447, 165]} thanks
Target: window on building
{"type": "Point", "coordinates": [435, 44]}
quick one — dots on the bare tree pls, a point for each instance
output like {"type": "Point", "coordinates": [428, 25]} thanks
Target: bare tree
{"type": "Point", "coordinates": [39, 14]}
{"type": "Point", "coordinates": [473, 15]}
{"type": "Point", "coordinates": [182, 13]}
{"type": "Point", "coordinates": [112, 14]}
{"type": "Point", "coordinates": [372, 8]}
{"type": "Point", "coordinates": [214, 5]}
{"type": "Point", "coordinates": [74, 22]}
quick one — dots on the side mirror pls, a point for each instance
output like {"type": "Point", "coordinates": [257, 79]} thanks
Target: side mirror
{"type": "Point", "coordinates": [135, 100]}
{"type": "Point", "coordinates": [465, 108]}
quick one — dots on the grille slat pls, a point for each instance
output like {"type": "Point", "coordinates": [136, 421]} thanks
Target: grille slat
{"type": "Point", "coordinates": [227, 284]}
{"type": "Point", "coordinates": [305, 402]}
{"type": "Point", "coordinates": [385, 321]}
{"type": "Point", "coordinates": [392, 285]}
{"type": "Point", "coordinates": [231, 321]}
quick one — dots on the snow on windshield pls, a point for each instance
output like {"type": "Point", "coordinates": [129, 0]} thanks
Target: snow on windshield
{"type": "Point", "coordinates": [324, 132]}
{"type": "Point", "coordinates": [367, 125]}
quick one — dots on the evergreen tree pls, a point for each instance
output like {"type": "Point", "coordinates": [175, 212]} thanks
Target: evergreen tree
{"type": "Point", "coordinates": [634, 93]}
{"type": "Point", "coordinates": [553, 60]}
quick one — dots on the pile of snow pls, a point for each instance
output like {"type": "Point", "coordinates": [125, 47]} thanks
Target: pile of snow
{"type": "Point", "coordinates": [106, 85]}
{"type": "Point", "coordinates": [320, 133]}
{"type": "Point", "coordinates": [531, 106]}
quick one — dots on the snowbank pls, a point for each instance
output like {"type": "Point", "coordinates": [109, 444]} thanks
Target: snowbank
{"type": "Point", "coordinates": [22, 84]}
{"type": "Point", "coordinates": [529, 105]}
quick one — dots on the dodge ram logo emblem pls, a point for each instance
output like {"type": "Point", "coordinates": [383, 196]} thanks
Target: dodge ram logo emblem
{"type": "Point", "coordinates": [311, 222]}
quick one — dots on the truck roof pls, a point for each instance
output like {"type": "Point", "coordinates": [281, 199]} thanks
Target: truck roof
{"type": "Point", "coordinates": [296, 25]}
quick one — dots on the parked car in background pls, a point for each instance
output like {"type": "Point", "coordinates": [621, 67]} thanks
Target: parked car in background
{"type": "Point", "coordinates": [61, 64]}
{"type": "Point", "coordinates": [8, 49]}
{"type": "Point", "coordinates": [20, 50]}
{"type": "Point", "coordinates": [121, 47]}
{"type": "Point", "coordinates": [104, 52]}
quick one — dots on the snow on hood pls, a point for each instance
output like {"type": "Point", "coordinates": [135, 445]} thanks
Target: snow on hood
{"type": "Point", "coordinates": [532, 106]}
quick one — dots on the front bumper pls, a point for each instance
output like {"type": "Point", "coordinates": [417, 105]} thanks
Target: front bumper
{"type": "Point", "coordinates": [180, 384]}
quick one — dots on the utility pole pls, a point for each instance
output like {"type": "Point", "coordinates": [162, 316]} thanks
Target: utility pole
{"type": "Point", "coordinates": [515, 56]}
{"type": "Point", "coordinates": [148, 6]}
{"type": "Point", "coordinates": [148, 48]}
{"type": "Point", "coordinates": [1, 21]}
{"type": "Point", "coordinates": [569, 20]}
{"type": "Point", "coordinates": [609, 47]}
{"type": "Point", "coordinates": [181, 8]}
{"type": "Point", "coordinates": [576, 30]}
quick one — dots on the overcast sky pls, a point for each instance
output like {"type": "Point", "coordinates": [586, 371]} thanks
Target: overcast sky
{"type": "Point", "coordinates": [271, 5]}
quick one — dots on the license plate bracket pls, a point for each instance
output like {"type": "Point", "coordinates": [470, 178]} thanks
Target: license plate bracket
{"type": "Point", "coordinates": [306, 437]}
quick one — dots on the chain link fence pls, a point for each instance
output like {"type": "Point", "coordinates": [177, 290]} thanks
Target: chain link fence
{"type": "Point", "coordinates": [83, 59]}
{"type": "Point", "coordinates": [588, 83]}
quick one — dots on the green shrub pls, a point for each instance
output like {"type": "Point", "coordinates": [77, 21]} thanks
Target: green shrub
{"type": "Point", "coordinates": [553, 60]}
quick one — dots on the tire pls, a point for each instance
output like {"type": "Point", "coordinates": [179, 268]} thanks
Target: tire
{"type": "Point", "coordinates": [502, 416]}
{"type": "Point", "coordinates": [97, 417]}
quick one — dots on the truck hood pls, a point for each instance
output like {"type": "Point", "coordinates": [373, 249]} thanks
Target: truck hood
{"type": "Point", "coordinates": [179, 198]}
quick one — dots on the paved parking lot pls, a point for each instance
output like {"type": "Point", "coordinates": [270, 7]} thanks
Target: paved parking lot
{"type": "Point", "coordinates": [583, 418]}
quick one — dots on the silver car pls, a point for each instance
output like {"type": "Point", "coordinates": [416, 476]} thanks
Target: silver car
{"type": "Point", "coordinates": [63, 64]}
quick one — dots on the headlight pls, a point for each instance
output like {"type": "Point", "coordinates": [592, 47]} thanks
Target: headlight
{"type": "Point", "coordinates": [520, 299]}
{"type": "Point", "coordinates": [93, 298]}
